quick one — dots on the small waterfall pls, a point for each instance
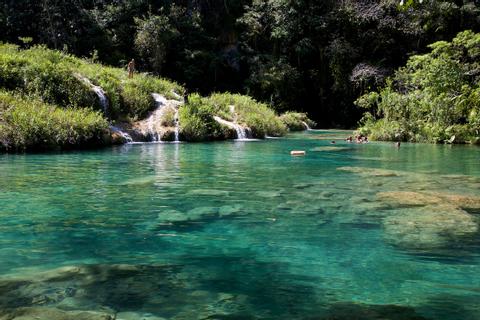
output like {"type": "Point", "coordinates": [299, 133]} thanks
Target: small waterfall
{"type": "Point", "coordinates": [102, 97]}
{"type": "Point", "coordinates": [241, 132]}
{"type": "Point", "coordinates": [307, 127]}
{"type": "Point", "coordinates": [123, 134]}
{"type": "Point", "coordinates": [176, 95]}
{"type": "Point", "coordinates": [151, 127]}
{"type": "Point", "coordinates": [177, 127]}
{"type": "Point", "coordinates": [153, 121]}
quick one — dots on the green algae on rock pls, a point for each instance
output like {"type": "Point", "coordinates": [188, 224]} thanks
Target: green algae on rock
{"type": "Point", "coordinates": [429, 226]}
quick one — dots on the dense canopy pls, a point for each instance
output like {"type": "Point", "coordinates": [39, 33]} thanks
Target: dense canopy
{"type": "Point", "coordinates": [435, 98]}
{"type": "Point", "coordinates": [313, 56]}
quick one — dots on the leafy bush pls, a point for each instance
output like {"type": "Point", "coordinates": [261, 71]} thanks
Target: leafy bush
{"type": "Point", "coordinates": [247, 112]}
{"type": "Point", "coordinates": [27, 123]}
{"type": "Point", "coordinates": [295, 121]}
{"type": "Point", "coordinates": [434, 98]}
{"type": "Point", "coordinates": [168, 118]}
{"type": "Point", "coordinates": [55, 78]}
{"type": "Point", "coordinates": [197, 122]}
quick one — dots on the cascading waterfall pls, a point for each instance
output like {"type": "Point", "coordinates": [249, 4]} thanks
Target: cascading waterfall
{"type": "Point", "coordinates": [241, 132]}
{"type": "Point", "coordinates": [177, 126]}
{"type": "Point", "coordinates": [102, 97]}
{"type": "Point", "coordinates": [123, 134]}
{"type": "Point", "coordinates": [307, 127]}
{"type": "Point", "coordinates": [153, 121]}
{"type": "Point", "coordinates": [152, 128]}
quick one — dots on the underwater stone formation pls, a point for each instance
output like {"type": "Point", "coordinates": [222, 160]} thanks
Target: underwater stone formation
{"type": "Point", "coordinates": [433, 220]}
{"type": "Point", "coordinates": [371, 172]}
{"type": "Point", "coordinates": [429, 226]}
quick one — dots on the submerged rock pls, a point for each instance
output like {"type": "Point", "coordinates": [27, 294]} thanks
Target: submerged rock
{"type": "Point", "coordinates": [44, 313]}
{"type": "Point", "coordinates": [462, 201]}
{"type": "Point", "coordinates": [172, 215]}
{"type": "Point", "coordinates": [429, 198]}
{"type": "Point", "coordinates": [201, 212]}
{"type": "Point", "coordinates": [228, 210]}
{"type": "Point", "coordinates": [268, 194]}
{"type": "Point", "coordinates": [329, 148]}
{"type": "Point", "coordinates": [371, 172]}
{"type": "Point", "coordinates": [357, 311]}
{"type": "Point", "coordinates": [209, 192]}
{"type": "Point", "coordinates": [136, 316]}
{"type": "Point", "coordinates": [408, 198]}
{"type": "Point", "coordinates": [429, 226]}
{"type": "Point", "coordinates": [437, 219]}
{"type": "Point", "coordinates": [140, 181]}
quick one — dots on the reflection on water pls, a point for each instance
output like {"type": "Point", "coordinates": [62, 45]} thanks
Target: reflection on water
{"type": "Point", "coordinates": [237, 230]}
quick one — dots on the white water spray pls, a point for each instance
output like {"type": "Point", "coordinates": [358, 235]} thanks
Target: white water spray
{"type": "Point", "coordinates": [307, 127]}
{"type": "Point", "coordinates": [241, 132]}
{"type": "Point", "coordinates": [151, 127]}
{"type": "Point", "coordinates": [102, 97]}
{"type": "Point", "coordinates": [123, 134]}
{"type": "Point", "coordinates": [177, 127]}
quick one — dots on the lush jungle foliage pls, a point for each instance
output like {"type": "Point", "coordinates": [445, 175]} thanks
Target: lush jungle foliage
{"type": "Point", "coordinates": [27, 123]}
{"type": "Point", "coordinates": [61, 86]}
{"type": "Point", "coordinates": [434, 98]}
{"type": "Point", "coordinates": [198, 123]}
{"type": "Point", "coordinates": [47, 100]}
{"type": "Point", "coordinates": [56, 78]}
{"type": "Point", "coordinates": [309, 56]}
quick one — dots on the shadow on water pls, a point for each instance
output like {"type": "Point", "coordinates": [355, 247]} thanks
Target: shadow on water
{"type": "Point", "coordinates": [207, 286]}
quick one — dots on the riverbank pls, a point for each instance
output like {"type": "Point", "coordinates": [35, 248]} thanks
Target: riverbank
{"type": "Point", "coordinates": [76, 103]}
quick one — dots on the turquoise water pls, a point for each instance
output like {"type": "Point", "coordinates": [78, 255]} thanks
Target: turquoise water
{"type": "Point", "coordinates": [242, 230]}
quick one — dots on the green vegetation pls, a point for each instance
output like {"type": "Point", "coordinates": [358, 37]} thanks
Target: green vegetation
{"type": "Point", "coordinates": [248, 112]}
{"type": "Point", "coordinates": [295, 121]}
{"type": "Point", "coordinates": [59, 85]}
{"type": "Point", "coordinates": [434, 98]}
{"type": "Point", "coordinates": [27, 123]}
{"type": "Point", "coordinates": [198, 123]}
{"type": "Point", "coordinates": [56, 78]}
{"type": "Point", "coordinates": [310, 56]}
{"type": "Point", "coordinates": [48, 101]}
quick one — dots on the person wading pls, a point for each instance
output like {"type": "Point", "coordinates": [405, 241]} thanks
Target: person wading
{"type": "Point", "coordinates": [131, 68]}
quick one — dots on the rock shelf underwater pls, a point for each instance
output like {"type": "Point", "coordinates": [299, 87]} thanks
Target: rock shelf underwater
{"type": "Point", "coordinates": [236, 230]}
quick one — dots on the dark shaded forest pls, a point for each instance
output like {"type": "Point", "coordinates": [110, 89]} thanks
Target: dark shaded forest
{"type": "Point", "coordinates": [311, 56]}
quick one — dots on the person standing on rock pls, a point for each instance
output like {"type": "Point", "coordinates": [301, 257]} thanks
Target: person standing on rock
{"type": "Point", "coordinates": [131, 68]}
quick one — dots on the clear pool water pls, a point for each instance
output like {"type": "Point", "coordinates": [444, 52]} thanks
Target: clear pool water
{"type": "Point", "coordinates": [243, 230]}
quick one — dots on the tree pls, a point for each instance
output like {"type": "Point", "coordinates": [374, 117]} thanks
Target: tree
{"type": "Point", "coordinates": [153, 38]}
{"type": "Point", "coordinates": [435, 97]}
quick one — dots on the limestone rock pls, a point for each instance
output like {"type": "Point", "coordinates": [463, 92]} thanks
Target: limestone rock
{"type": "Point", "coordinates": [371, 172]}
{"type": "Point", "coordinates": [229, 210]}
{"type": "Point", "coordinates": [429, 226]}
{"type": "Point", "coordinates": [408, 198]}
{"type": "Point", "coordinates": [136, 316]}
{"type": "Point", "coordinates": [44, 313]}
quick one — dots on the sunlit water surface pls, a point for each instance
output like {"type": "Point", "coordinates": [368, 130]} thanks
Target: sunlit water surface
{"type": "Point", "coordinates": [241, 230]}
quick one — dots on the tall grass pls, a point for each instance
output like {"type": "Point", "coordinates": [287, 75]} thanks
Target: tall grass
{"type": "Point", "coordinates": [26, 123]}
{"type": "Point", "coordinates": [197, 122]}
